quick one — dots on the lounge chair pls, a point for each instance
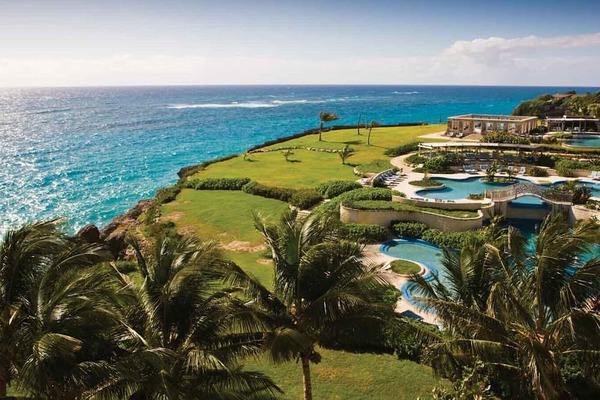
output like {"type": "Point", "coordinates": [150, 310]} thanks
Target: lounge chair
{"type": "Point", "coordinates": [460, 135]}
{"type": "Point", "coordinates": [522, 170]}
{"type": "Point", "coordinates": [484, 167]}
{"type": "Point", "coordinates": [451, 134]}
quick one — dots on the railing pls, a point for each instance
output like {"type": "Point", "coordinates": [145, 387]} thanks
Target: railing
{"type": "Point", "coordinates": [529, 189]}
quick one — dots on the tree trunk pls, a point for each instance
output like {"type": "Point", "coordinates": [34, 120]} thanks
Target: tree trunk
{"type": "Point", "coordinates": [4, 374]}
{"type": "Point", "coordinates": [320, 130]}
{"type": "Point", "coordinates": [358, 124]}
{"type": "Point", "coordinates": [307, 381]}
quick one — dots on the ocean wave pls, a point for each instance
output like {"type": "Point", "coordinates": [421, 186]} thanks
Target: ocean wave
{"type": "Point", "coordinates": [396, 92]}
{"type": "Point", "coordinates": [223, 105]}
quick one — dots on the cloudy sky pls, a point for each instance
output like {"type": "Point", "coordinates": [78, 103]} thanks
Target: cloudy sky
{"type": "Point", "coordinates": [122, 42]}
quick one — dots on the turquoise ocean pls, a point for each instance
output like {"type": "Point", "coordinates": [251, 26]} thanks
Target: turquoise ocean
{"type": "Point", "coordinates": [90, 154]}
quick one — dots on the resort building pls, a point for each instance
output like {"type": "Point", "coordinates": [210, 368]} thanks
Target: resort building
{"type": "Point", "coordinates": [573, 124]}
{"type": "Point", "coordinates": [464, 125]}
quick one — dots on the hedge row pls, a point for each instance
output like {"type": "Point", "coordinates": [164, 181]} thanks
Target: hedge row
{"type": "Point", "coordinates": [332, 189]}
{"type": "Point", "coordinates": [162, 196]}
{"type": "Point", "coordinates": [365, 233]}
{"type": "Point", "coordinates": [401, 150]}
{"type": "Point", "coordinates": [192, 169]}
{"type": "Point", "coordinates": [217, 183]}
{"type": "Point", "coordinates": [301, 198]}
{"type": "Point", "coordinates": [453, 240]}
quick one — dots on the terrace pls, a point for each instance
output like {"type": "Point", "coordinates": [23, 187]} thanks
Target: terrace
{"type": "Point", "coordinates": [464, 125]}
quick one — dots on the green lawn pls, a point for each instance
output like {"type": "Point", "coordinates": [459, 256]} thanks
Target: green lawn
{"type": "Point", "coordinates": [223, 215]}
{"type": "Point", "coordinates": [227, 217]}
{"type": "Point", "coordinates": [309, 168]}
{"type": "Point", "coordinates": [345, 376]}
{"type": "Point", "coordinates": [404, 267]}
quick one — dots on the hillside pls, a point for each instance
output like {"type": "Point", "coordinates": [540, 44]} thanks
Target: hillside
{"type": "Point", "coordinates": [557, 105]}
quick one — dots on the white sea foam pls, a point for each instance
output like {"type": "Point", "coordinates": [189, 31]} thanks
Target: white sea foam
{"type": "Point", "coordinates": [396, 92]}
{"type": "Point", "coordinates": [223, 105]}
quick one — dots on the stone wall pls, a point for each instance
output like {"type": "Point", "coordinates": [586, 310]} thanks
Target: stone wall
{"type": "Point", "coordinates": [385, 217]}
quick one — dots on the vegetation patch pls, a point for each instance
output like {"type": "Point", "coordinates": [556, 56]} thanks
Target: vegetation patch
{"type": "Point", "coordinates": [537, 172]}
{"type": "Point", "coordinates": [364, 233]}
{"type": "Point", "coordinates": [396, 206]}
{"type": "Point", "coordinates": [374, 166]}
{"type": "Point", "coordinates": [426, 183]}
{"type": "Point", "coordinates": [333, 189]}
{"type": "Point", "coordinates": [404, 267]}
{"type": "Point", "coordinates": [402, 149]}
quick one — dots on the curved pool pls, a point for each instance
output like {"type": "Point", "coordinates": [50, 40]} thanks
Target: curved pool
{"type": "Point", "coordinates": [461, 188]}
{"type": "Point", "coordinates": [584, 141]}
{"type": "Point", "coordinates": [417, 250]}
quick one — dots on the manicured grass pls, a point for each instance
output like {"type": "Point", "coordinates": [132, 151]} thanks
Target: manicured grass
{"type": "Point", "coordinates": [309, 168]}
{"type": "Point", "coordinates": [349, 376]}
{"type": "Point", "coordinates": [394, 205]}
{"type": "Point", "coordinates": [223, 215]}
{"type": "Point", "coordinates": [404, 267]}
{"type": "Point", "coordinates": [254, 264]}
{"type": "Point", "coordinates": [374, 166]}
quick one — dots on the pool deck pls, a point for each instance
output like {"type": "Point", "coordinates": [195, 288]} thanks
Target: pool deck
{"type": "Point", "coordinates": [372, 256]}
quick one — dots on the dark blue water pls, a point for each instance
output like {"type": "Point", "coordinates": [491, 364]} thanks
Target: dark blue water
{"type": "Point", "coordinates": [92, 153]}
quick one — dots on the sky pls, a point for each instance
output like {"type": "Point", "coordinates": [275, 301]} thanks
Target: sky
{"type": "Point", "coordinates": [198, 42]}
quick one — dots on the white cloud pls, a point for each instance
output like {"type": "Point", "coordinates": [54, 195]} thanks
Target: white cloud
{"type": "Point", "coordinates": [528, 60]}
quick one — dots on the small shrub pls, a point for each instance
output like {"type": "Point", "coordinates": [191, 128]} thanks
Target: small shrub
{"type": "Point", "coordinates": [218, 183]}
{"type": "Point", "coordinates": [305, 198]}
{"type": "Point", "coordinates": [442, 164]}
{"type": "Point", "coordinates": [503, 137]}
{"type": "Point", "coordinates": [537, 172]}
{"type": "Point", "coordinates": [364, 233]}
{"type": "Point", "coordinates": [476, 196]}
{"type": "Point", "coordinates": [332, 189]}
{"type": "Point", "coordinates": [168, 194]}
{"type": "Point", "coordinates": [563, 135]}
{"type": "Point", "coordinates": [401, 150]}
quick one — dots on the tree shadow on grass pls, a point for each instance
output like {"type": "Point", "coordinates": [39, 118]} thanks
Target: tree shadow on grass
{"type": "Point", "coordinates": [294, 161]}
{"type": "Point", "coordinates": [352, 142]}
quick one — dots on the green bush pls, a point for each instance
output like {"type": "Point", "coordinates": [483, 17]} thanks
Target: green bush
{"type": "Point", "coordinates": [364, 233]}
{"type": "Point", "coordinates": [454, 240]}
{"type": "Point", "coordinates": [168, 194]}
{"type": "Point", "coordinates": [442, 164]}
{"type": "Point", "coordinates": [537, 172]}
{"type": "Point", "coordinates": [271, 192]}
{"type": "Point", "coordinates": [566, 167]}
{"type": "Point", "coordinates": [503, 137]}
{"type": "Point", "coordinates": [332, 189]}
{"type": "Point", "coordinates": [409, 229]}
{"type": "Point", "coordinates": [415, 159]}
{"type": "Point", "coordinates": [401, 150]}
{"type": "Point", "coordinates": [332, 209]}
{"type": "Point", "coordinates": [563, 135]}
{"type": "Point", "coordinates": [217, 183]}
{"type": "Point", "coordinates": [305, 198]}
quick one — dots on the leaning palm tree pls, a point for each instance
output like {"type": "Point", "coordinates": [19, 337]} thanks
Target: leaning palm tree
{"type": "Point", "coordinates": [537, 307]}
{"type": "Point", "coordinates": [322, 292]}
{"type": "Point", "coordinates": [326, 117]}
{"type": "Point", "coordinates": [187, 330]}
{"type": "Point", "coordinates": [371, 126]}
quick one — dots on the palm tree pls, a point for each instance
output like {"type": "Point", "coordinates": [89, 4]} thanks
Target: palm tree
{"type": "Point", "coordinates": [187, 330]}
{"type": "Point", "coordinates": [532, 308]}
{"type": "Point", "coordinates": [371, 125]}
{"type": "Point", "coordinates": [326, 117]}
{"type": "Point", "coordinates": [24, 252]}
{"type": "Point", "coordinates": [346, 153]}
{"type": "Point", "coordinates": [322, 292]}
{"type": "Point", "coordinates": [358, 123]}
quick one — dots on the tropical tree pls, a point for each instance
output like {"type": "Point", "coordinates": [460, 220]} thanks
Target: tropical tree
{"type": "Point", "coordinates": [287, 153]}
{"type": "Point", "coordinates": [23, 252]}
{"type": "Point", "coordinates": [358, 123]}
{"type": "Point", "coordinates": [371, 125]}
{"type": "Point", "coordinates": [346, 153]}
{"type": "Point", "coordinates": [522, 311]}
{"type": "Point", "coordinates": [326, 117]}
{"type": "Point", "coordinates": [322, 292]}
{"type": "Point", "coordinates": [187, 331]}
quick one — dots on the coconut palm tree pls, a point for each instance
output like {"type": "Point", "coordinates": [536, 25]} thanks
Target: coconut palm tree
{"type": "Point", "coordinates": [26, 253]}
{"type": "Point", "coordinates": [326, 117]}
{"type": "Point", "coordinates": [322, 292]}
{"type": "Point", "coordinates": [533, 309]}
{"type": "Point", "coordinates": [187, 330]}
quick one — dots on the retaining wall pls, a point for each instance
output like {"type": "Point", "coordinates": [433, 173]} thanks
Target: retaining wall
{"type": "Point", "coordinates": [384, 218]}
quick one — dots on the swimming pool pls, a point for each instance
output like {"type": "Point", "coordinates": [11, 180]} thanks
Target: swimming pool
{"type": "Point", "coordinates": [417, 250]}
{"type": "Point", "coordinates": [584, 141]}
{"type": "Point", "coordinates": [461, 188]}
{"type": "Point", "coordinates": [431, 255]}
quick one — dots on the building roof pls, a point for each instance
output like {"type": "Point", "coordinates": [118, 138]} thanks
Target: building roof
{"type": "Point", "coordinates": [496, 118]}
{"type": "Point", "coordinates": [566, 118]}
